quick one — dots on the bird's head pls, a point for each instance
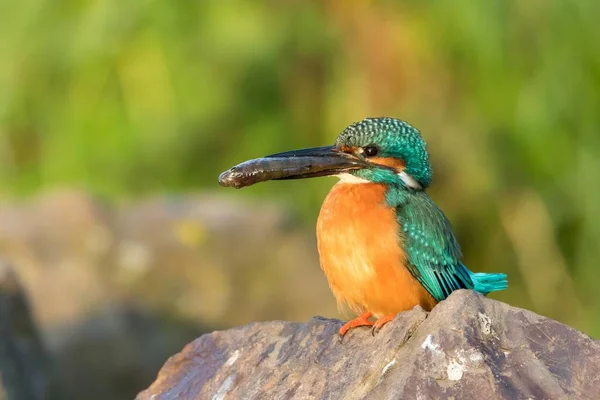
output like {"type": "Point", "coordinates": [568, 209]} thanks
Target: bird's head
{"type": "Point", "coordinates": [378, 150]}
{"type": "Point", "coordinates": [394, 151]}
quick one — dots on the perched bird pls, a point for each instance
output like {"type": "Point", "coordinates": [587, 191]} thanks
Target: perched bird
{"type": "Point", "coordinates": [384, 245]}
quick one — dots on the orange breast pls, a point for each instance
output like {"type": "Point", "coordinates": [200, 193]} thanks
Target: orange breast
{"type": "Point", "coordinates": [359, 247]}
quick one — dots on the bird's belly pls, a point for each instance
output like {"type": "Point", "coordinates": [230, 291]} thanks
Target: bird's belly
{"type": "Point", "coordinates": [361, 252]}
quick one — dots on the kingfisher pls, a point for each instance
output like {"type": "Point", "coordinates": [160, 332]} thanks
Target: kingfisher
{"type": "Point", "coordinates": [384, 245]}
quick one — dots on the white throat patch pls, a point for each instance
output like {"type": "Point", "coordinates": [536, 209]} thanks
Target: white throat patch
{"type": "Point", "coordinates": [408, 180]}
{"type": "Point", "coordinates": [349, 178]}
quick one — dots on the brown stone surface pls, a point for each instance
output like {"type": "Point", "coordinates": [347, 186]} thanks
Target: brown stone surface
{"type": "Point", "coordinates": [118, 288]}
{"type": "Point", "coordinates": [24, 364]}
{"type": "Point", "coordinates": [467, 347]}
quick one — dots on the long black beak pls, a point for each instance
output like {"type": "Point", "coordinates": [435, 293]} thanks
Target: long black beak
{"type": "Point", "coordinates": [295, 164]}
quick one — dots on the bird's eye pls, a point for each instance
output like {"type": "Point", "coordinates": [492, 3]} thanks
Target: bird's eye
{"type": "Point", "coordinates": [371, 151]}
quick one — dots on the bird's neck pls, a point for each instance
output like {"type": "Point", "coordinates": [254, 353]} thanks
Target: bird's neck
{"type": "Point", "coordinates": [399, 195]}
{"type": "Point", "coordinates": [352, 200]}
{"type": "Point", "coordinates": [360, 193]}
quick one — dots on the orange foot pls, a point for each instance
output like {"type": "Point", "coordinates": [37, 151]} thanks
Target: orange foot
{"type": "Point", "coordinates": [381, 322]}
{"type": "Point", "coordinates": [362, 320]}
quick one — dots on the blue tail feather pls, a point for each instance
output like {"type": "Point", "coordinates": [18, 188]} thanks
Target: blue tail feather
{"type": "Point", "coordinates": [485, 283]}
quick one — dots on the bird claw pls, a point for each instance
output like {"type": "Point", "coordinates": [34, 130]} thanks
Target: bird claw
{"type": "Point", "coordinates": [362, 320]}
{"type": "Point", "coordinates": [380, 323]}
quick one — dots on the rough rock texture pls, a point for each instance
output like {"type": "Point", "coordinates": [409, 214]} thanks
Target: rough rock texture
{"type": "Point", "coordinates": [467, 347]}
{"type": "Point", "coordinates": [118, 288]}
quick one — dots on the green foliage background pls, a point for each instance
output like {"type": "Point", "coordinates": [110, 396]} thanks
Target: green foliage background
{"type": "Point", "coordinates": [127, 98]}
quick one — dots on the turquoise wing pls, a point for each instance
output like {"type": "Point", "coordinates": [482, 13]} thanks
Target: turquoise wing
{"type": "Point", "coordinates": [434, 255]}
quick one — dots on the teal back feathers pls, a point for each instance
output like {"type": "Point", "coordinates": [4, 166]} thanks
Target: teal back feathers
{"type": "Point", "coordinates": [434, 255]}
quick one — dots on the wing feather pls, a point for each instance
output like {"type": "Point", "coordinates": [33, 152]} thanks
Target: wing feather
{"type": "Point", "coordinates": [434, 255]}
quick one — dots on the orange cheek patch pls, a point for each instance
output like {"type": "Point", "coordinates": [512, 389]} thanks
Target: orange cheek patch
{"type": "Point", "coordinates": [389, 162]}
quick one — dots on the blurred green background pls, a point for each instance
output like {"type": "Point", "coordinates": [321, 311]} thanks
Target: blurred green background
{"type": "Point", "coordinates": [129, 99]}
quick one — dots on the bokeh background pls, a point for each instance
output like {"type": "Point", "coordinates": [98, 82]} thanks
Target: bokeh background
{"type": "Point", "coordinates": [116, 118]}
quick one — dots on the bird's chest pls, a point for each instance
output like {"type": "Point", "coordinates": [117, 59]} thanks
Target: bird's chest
{"type": "Point", "coordinates": [359, 243]}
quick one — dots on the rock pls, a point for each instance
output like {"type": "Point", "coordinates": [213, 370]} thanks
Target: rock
{"type": "Point", "coordinates": [24, 363]}
{"type": "Point", "coordinates": [467, 347]}
{"type": "Point", "coordinates": [116, 289]}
